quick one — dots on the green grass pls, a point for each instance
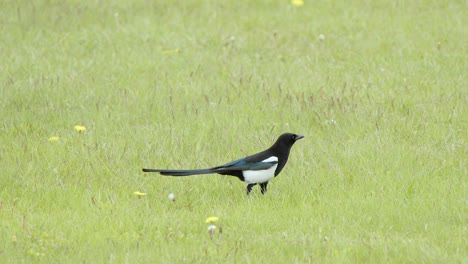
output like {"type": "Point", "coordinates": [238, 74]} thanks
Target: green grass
{"type": "Point", "coordinates": [380, 177]}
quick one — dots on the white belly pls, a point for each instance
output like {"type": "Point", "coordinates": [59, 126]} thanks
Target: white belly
{"type": "Point", "coordinates": [261, 176]}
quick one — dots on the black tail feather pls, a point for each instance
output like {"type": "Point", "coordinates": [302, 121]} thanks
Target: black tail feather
{"type": "Point", "coordinates": [180, 172]}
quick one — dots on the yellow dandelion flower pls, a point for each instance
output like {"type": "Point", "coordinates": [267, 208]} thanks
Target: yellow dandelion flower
{"type": "Point", "coordinates": [139, 194]}
{"type": "Point", "coordinates": [212, 219]}
{"type": "Point", "coordinates": [80, 128]}
{"type": "Point", "coordinates": [297, 2]}
{"type": "Point", "coordinates": [54, 139]}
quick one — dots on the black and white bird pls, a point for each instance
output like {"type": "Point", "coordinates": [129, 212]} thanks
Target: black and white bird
{"type": "Point", "coordinates": [256, 169]}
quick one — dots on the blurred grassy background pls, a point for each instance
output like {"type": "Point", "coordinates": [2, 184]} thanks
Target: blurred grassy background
{"type": "Point", "coordinates": [378, 88]}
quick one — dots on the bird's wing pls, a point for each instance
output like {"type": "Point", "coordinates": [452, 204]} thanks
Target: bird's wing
{"type": "Point", "coordinates": [244, 164]}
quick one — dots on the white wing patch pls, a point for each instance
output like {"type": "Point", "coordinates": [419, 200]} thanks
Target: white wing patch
{"type": "Point", "coordinates": [261, 176]}
{"type": "Point", "coordinates": [270, 159]}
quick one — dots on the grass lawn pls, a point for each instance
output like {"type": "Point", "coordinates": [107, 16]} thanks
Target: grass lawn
{"type": "Point", "coordinates": [378, 88]}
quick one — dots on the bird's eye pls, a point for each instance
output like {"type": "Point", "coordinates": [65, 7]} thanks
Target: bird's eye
{"type": "Point", "coordinates": [293, 137]}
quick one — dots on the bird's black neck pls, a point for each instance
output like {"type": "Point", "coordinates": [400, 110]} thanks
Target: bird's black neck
{"type": "Point", "coordinates": [282, 152]}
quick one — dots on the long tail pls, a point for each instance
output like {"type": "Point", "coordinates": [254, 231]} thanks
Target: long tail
{"type": "Point", "coordinates": [181, 172]}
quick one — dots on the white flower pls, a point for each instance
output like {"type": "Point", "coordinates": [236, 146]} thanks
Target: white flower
{"type": "Point", "coordinates": [171, 197]}
{"type": "Point", "coordinates": [211, 228]}
{"type": "Point", "coordinates": [321, 37]}
{"type": "Point", "coordinates": [331, 122]}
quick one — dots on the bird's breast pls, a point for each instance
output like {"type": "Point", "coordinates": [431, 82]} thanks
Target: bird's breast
{"type": "Point", "coordinates": [261, 176]}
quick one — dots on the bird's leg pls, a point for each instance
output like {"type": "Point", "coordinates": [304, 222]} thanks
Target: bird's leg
{"type": "Point", "coordinates": [263, 187]}
{"type": "Point", "coordinates": [249, 187]}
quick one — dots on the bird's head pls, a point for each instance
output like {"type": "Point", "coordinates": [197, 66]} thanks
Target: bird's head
{"type": "Point", "coordinates": [288, 139]}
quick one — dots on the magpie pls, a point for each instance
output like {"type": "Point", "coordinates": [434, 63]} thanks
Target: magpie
{"type": "Point", "coordinates": [255, 169]}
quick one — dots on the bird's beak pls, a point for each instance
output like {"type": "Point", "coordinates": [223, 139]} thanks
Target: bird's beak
{"type": "Point", "coordinates": [299, 137]}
